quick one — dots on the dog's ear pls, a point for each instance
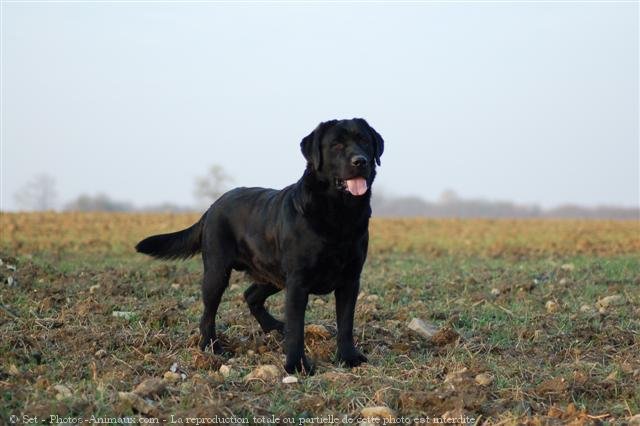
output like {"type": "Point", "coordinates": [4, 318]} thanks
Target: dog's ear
{"type": "Point", "coordinates": [311, 144]}
{"type": "Point", "coordinates": [378, 142]}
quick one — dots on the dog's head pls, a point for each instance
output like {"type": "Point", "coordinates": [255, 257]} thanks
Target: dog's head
{"type": "Point", "coordinates": [344, 153]}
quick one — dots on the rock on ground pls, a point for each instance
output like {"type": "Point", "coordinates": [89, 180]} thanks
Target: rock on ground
{"type": "Point", "coordinates": [150, 387]}
{"type": "Point", "coordinates": [268, 373]}
{"type": "Point", "coordinates": [424, 329]}
{"type": "Point", "coordinates": [379, 412]}
{"type": "Point", "coordinates": [436, 335]}
{"type": "Point", "coordinates": [138, 403]}
{"type": "Point", "coordinates": [608, 301]}
{"type": "Point", "coordinates": [484, 379]}
{"type": "Point", "coordinates": [290, 379]}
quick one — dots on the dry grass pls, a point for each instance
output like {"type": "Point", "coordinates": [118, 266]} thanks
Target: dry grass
{"type": "Point", "coordinates": [116, 232]}
{"type": "Point", "coordinates": [486, 282]}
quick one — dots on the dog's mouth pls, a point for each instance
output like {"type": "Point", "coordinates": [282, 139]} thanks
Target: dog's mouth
{"type": "Point", "coordinates": [355, 186]}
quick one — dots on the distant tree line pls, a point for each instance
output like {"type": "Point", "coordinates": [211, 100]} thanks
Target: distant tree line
{"type": "Point", "coordinates": [450, 205]}
{"type": "Point", "coordinates": [40, 194]}
{"type": "Point", "coordinates": [103, 203]}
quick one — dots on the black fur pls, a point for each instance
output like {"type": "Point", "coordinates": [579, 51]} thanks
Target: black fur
{"type": "Point", "coordinates": [176, 245]}
{"type": "Point", "coordinates": [310, 238]}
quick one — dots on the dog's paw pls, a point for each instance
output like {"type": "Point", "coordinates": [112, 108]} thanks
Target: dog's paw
{"type": "Point", "coordinates": [351, 357]}
{"type": "Point", "coordinates": [301, 365]}
{"type": "Point", "coordinates": [273, 326]}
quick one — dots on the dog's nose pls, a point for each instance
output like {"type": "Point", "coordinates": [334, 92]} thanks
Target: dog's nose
{"type": "Point", "coordinates": [359, 160]}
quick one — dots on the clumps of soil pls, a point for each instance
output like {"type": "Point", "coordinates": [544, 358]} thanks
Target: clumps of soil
{"type": "Point", "coordinates": [458, 392]}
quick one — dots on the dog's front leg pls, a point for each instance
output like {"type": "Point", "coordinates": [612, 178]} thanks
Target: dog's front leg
{"type": "Point", "coordinates": [346, 297]}
{"type": "Point", "coordinates": [296, 304]}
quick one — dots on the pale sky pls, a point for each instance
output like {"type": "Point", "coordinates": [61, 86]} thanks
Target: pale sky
{"type": "Point", "coordinates": [534, 103]}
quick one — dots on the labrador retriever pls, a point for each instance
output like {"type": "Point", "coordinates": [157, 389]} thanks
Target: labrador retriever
{"type": "Point", "coordinates": [308, 238]}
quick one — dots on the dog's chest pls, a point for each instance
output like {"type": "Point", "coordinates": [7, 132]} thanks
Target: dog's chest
{"type": "Point", "coordinates": [335, 265]}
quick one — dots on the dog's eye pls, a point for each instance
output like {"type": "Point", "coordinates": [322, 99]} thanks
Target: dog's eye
{"type": "Point", "coordinates": [338, 146]}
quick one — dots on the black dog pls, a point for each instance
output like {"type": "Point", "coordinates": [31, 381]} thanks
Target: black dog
{"type": "Point", "coordinates": [310, 238]}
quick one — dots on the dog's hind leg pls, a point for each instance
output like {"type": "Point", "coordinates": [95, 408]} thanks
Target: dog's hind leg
{"type": "Point", "coordinates": [255, 297]}
{"type": "Point", "coordinates": [215, 282]}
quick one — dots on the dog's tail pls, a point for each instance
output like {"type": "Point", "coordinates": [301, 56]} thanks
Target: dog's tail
{"type": "Point", "coordinates": [176, 245]}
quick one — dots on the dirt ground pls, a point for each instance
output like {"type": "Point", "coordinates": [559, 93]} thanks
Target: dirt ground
{"type": "Point", "coordinates": [533, 322]}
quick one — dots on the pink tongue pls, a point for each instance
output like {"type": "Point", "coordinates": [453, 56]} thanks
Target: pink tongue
{"type": "Point", "coordinates": [357, 186]}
